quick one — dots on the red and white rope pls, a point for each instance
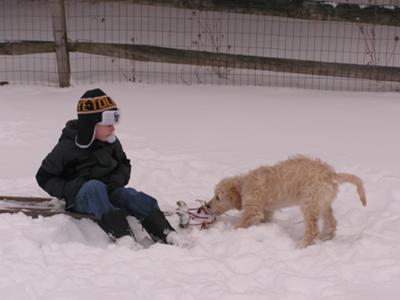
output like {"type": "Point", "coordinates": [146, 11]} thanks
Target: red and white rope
{"type": "Point", "coordinates": [200, 216]}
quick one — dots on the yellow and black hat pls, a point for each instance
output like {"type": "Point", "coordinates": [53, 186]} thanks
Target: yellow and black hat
{"type": "Point", "coordinates": [94, 107]}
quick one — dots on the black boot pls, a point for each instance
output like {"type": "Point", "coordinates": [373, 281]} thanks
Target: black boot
{"type": "Point", "coordinates": [157, 226]}
{"type": "Point", "coordinates": [115, 224]}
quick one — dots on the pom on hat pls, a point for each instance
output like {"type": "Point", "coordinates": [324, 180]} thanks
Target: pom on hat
{"type": "Point", "coordinates": [90, 110]}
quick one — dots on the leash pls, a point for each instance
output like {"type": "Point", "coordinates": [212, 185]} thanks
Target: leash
{"type": "Point", "coordinates": [200, 216]}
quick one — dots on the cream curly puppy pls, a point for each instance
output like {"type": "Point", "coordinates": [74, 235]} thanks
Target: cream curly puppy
{"type": "Point", "coordinates": [309, 183]}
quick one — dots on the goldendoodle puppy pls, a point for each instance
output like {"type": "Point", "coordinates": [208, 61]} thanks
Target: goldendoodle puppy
{"type": "Point", "coordinates": [309, 183]}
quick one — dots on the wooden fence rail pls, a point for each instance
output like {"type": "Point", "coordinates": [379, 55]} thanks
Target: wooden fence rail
{"type": "Point", "coordinates": [203, 58]}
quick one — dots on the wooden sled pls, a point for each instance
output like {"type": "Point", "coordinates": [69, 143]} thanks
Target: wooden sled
{"type": "Point", "coordinates": [47, 207]}
{"type": "Point", "coordinates": [37, 206]}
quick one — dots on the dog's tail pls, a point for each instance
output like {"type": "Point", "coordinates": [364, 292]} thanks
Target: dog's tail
{"type": "Point", "coordinates": [350, 178]}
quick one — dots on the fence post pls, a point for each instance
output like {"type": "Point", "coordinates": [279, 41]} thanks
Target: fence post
{"type": "Point", "coordinates": [60, 38]}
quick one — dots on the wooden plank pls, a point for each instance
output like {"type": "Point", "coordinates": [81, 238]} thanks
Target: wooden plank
{"type": "Point", "coordinates": [46, 213]}
{"type": "Point", "coordinates": [36, 206]}
{"type": "Point", "coordinates": [26, 199]}
{"type": "Point", "coordinates": [60, 37]}
{"type": "Point", "coordinates": [26, 47]}
{"type": "Point", "coordinates": [299, 9]}
{"type": "Point", "coordinates": [204, 58]}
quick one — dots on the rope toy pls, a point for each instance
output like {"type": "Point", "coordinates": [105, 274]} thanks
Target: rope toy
{"type": "Point", "coordinates": [201, 216]}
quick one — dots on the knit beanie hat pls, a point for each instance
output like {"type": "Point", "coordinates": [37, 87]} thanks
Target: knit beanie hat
{"type": "Point", "coordinates": [94, 107]}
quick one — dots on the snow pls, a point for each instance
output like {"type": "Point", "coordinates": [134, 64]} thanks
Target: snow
{"type": "Point", "coordinates": [182, 140]}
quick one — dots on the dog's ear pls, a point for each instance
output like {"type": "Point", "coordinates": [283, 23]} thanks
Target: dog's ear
{"type": "Point", "coordinates": [234, 194]}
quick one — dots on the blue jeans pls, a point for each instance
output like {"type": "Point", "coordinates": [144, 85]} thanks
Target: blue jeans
{"type": "Point", "coordinates": [93, 198]}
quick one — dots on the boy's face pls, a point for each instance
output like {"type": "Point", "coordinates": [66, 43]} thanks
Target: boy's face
{"type": "Point", "coordinates": [103, 132]}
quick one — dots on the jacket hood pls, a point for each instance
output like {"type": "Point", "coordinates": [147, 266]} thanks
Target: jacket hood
{"type": "Point", "coordinates": [70, 130]}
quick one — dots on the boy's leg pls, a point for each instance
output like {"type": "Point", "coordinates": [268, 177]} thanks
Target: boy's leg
{"type": "Point", "coordinates": [93, 198]}
{"type": "Point", "coordinates": [144, 208]}
{"type": "Point", "coordinates": [137, 204]}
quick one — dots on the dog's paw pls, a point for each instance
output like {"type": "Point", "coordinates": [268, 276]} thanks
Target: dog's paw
{"type": "Point", "coordinates": [247, 221]}
{"type": "Point", "coordinates": [327, 236]}
{"type": "Point", "coordinates": [242, 225]}
{"type": "Point", "coordinates": [304, 244]}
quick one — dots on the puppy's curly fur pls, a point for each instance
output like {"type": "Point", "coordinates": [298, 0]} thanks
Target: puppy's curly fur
{"type": "Point", "coordinates": [300, 180]}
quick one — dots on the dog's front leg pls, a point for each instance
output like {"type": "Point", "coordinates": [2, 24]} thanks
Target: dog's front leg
{"type": "Point", "coordinates": [251, 215]}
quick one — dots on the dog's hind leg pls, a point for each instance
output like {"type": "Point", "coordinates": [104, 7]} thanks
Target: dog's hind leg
{"type": "Point", "coordinates": [329, 221]}
{"type": "Point", "coordinates": [267, 215]}
{"type": "Point", "coordinates": [311, 231]}
{"type": "Point", "coordinates": [329, 225]}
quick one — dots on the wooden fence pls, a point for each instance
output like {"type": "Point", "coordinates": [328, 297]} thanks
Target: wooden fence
{"type": "Point", "coordinates": [307, 9]}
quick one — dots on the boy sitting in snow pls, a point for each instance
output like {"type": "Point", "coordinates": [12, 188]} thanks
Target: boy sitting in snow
{"type": "Point", "coordinates": [89, 170]}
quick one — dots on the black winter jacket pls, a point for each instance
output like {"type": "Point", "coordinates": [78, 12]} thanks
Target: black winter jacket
{"type": "Point", "coordinates": [67, 167]}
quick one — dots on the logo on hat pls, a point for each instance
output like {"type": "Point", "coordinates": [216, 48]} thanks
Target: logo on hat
{"type": "Point", "coordinates": [89, 105]}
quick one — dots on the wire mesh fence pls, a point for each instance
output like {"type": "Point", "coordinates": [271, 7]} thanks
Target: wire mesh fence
{"type": "Point", "coordinates": [303, 45]}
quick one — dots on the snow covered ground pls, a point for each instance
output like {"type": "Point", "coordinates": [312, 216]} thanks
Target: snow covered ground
{"type": "Point", "coordinates": [182, 140]}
